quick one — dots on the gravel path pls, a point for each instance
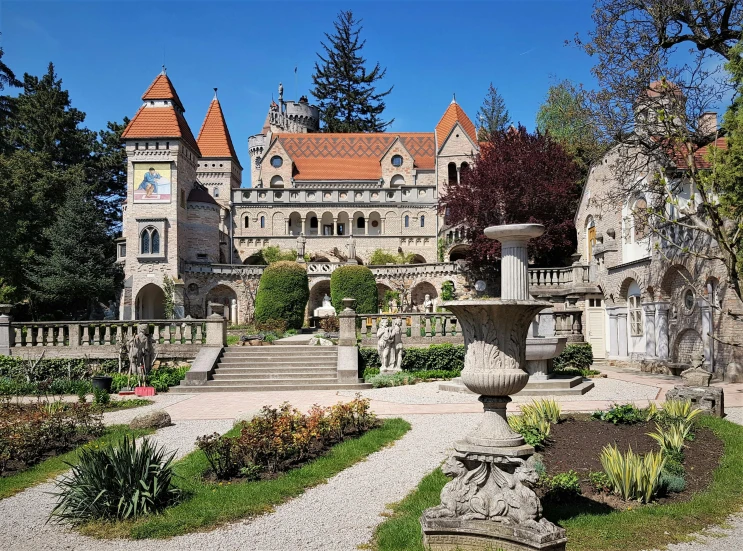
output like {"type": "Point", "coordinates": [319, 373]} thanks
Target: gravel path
{"type": "Point", "coordinates": [429, 393]}
{"type": "Point", "coordinates": [330, 517]}
{"type": "Point", "coordinates": [24, 515]}
{"type": "Point", "coordinates": [161, 401]}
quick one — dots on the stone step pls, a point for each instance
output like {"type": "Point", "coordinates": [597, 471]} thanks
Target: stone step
{"type": "Point", "coordinates": [270, 371]}
{"type": "Point", "coordinates": [288, 348]}
{"type": "Point", "coordinates": [574, 386]}
{"type": "Point", "coordinates": [554, 382]}
{"type": "Point", "coordinates": [283, 362]}
{"type": "Point", "coordinates": [271, 376]}
{"type": "Point", "coordinates": [577, 390]}
{"type": "Point", "coordinates": [211, 387]}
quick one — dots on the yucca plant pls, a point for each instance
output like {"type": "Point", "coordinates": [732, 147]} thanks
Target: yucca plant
{"type": "Point", "coordinates": [116, 482]}
{"type": "Point", "coordinates": [547, 409]}
{"type": "Point", "coordinates": [680, 411]}
{"type": "Point", "coordinates": [672, 438]}
{"type": "Point", "coordinates": [632, 476]}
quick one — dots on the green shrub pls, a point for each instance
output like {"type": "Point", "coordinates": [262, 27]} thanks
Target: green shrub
{"type": "Point", "coordinates": [600, 481]}
{"type": "Point", "coordinates": [563, 485]}
{"type": "Point", "coordinates": [626, 414]}
{"type": "Point", "coordinates": [355, 282]}
{"type": "Point", "coordinates": [447, 290]}
{"type": "Point", "coordinates": [380, 257]}
{"type": "Point", "coordinates": [671, 439]}
{"type": "Point", "coordinates": [282, 294]}
{"type": "Point", "coordinates": [671, 483]}
{"type": "Point", "coordinates": [101, 397]}
{"type": "Point", "coordinates": [633, 476]}
{"type": "Point", "coordinates": [546, 408]}
{"type": "Point", "coordinates": [117, 482]}
{"type": "Point", "coordinates": [395, 379]}
{"type": "Point", "coordinates": [674, 467]}
{"type": "Point", "coordinates": [436, 357]}
{"type": "Point", "coordinates": [575, 355]}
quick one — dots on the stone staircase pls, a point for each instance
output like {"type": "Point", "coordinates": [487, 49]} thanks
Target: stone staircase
{"type": "Point", "coordinates": [278, 367]}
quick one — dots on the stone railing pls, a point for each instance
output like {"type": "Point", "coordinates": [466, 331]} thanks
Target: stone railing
{"type": "Point", "coordinates": [568, 323]}
{"type": "Point", "coordinates": [103, 339]}
{"type": "Point", "coordinates": [420, 329]}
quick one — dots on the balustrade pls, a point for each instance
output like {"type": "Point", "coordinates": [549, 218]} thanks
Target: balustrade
{"type": "Point", "coordinates": [415, 325]}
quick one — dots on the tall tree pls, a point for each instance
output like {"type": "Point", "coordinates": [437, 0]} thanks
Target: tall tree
{"type": "Point", "coordinates": [108, 172]}
{"type": "Point", "coordinates": [493, 115]}
{"type": "Point", "coordinates": [7, 80]}
{"type": "Point", "coordinates": [79, 270]}
{"type": "Point", "coordinates": [344, 88]}
{"type": "Point", "coordinates": [566, 115]}
{"type": "Point", "coordinates": [518, 178]}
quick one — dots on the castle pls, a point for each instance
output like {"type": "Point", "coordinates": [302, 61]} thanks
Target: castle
{"type": "Point", "coordinates": [187, 216]}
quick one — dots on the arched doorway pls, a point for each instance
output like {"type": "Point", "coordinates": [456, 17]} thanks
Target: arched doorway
{"type": "Point", "coordinates": [150, 303]}
{"type": "Point", "coordinates": [226, 297]}
{"type": "Point", "coordinates": [458, 252]}
{"type": "Point", "coordinates": [317, 293]}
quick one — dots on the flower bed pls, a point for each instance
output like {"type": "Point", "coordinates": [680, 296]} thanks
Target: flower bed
{"type": "Point", "coordinates": [30, 433]}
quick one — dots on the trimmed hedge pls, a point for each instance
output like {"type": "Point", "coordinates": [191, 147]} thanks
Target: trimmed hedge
{"type": "Point", "coordinates": [576, 355]}
{"type": "Point", "coordinates": [283, 293]}
{"type": "Point", "coordinates": [446, 357]}
{"type": "Point", "coordinates": [355, 282]}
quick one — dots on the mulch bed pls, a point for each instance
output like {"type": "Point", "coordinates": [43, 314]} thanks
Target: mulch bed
{"type": "Point", "coordinates": [576, 444]}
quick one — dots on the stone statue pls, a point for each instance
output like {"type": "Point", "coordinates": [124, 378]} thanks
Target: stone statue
{"type": "Point", "coordinates": [326, 302]}
{"type": "Point", "coordinates": [397, 334]}
{"type": "Point", "coordinates": [385, 346]}
{"type": "Point", "coordinates": [428, 304]}
{"type": "Point", "coordinates": [301, 242]}
{"type": "Point", "coordinates": [141, 353]}
{"type": "Point", "coordinates": [351, 250]}
{"type": "Point", "coordinates": [281, 92]}
{"type": "Point", "coordinates": [696, 375]}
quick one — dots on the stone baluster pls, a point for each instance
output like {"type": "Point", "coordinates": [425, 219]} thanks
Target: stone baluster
{"type": "Point", "coordinates": [374, 326]}
{"type": "Point", "coordinates": [18, 337]}
{"type": "Point", "coordinates": [119, 334]}
{"type": "Point", "coordinates": [30, 336]}
{"type": "Point", "coordinates": [107, 335]}
{"type": "Point", "coordinates": [86, 336]}
{"type": "Point", "coordinates": [439, 329]}
{"type": "Point", "coordinates": [453, 322]}
{"type": "Point", "coordinates": [199, 334]}
{"type": "Point", "coordinates": [167, 335]}
{"type": "Point", "coordinates": [415, 327]}
{"type": "Point", "coordinates": [429, 332]}
{"type": "Point", "coordinates": [178, 334]}
{"type": "Point", "coordinates": [188, 332]}
{"type": "Point", "coordinates": [74, 334]}
{"type": "Point", "coordinates": [96, 336]}
{"type": "Point", "coordinates": [60, 335]}
{"type": "Point", "coordinates": [40, 336]}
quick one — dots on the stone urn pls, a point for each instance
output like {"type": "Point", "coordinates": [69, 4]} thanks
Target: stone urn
{"type": "Point", "coordinates": [490, 504]}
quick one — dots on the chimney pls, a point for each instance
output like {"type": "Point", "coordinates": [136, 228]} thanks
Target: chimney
{"type": "Point", "coordinates": [707, 123]}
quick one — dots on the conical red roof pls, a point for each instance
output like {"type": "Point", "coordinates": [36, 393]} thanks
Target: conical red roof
{"type": "Point", "coordinates": [162, 88]}
{"type": "Point", "coordinates": [454, 114]}
{"type": "Point", "coordinates": [214, 137]}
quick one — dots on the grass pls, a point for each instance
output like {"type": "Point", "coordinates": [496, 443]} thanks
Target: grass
{"type": "Point", "coordinates": [209, 504]}
{"type": "Point", "coordinates": [54, 466]}
{"type": "Point", "coordinates": [647, 527]}
{"type": "Point", "coordinates": [126, 403]}
{"type": "Point", "coordinates": [233, 340]}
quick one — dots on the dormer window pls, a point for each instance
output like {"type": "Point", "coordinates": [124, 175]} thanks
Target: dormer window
{"type": "Point", "coordinates": [276, 161]}
{"type": "Point", "coordinates": [396, 160]}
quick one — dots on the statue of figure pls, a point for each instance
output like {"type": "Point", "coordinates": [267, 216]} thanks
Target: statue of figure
{"type": "Point", "coordinates": [141, 353]}
{"type": "Point", "coordinates": [326, 302]}
{"type": "Point", "coordinates": [281, 92]}
{"type": "Point", "coordinates": [385, 346]}
{"type": "Point", "coordinates": [428, 304]}
{"type": "Point", "coordinates": [301, 242]}
{"type": "Point", "coordinates": [351, 250]}
{"type": "Point", "coordinates": [397, 333]}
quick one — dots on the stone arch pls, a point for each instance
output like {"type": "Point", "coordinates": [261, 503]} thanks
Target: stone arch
{"type": "Point", "coordinates": [382, 288]}
{"type": "Point", "coordinates": [458, 252]}
{"type": "Point", "coordinates": [674, 280]}
{"type": "Point", "coordinates": [277, 182]}
{"type": "Point", "coordinates": [326, 224]}
{"type": "Point", "coordinates": [343, 224]}
{"type": "Point", "coordinates": [318, 290]}
{"type": "Point", "coordinates": [451, 172]}
{"type": "Point", "coordinates": [277, 223]}
{"type": "Point", "coordinates": [685, 344]}
{"type": "Point", "coordinates": [311, 224]}
{"type": "Point", "coordinates": [150, 302]}
{"type": "Point", "coordinates": [420, 290]}
{"type": "Point", "coordinates": [222, 294]}
{"type": "Point", "coordinates": [374, 223]}
{"type": "Point", "coordinates": [619, 293]}
{"type": "Point", "coordinates": [359, 223]}
{"type": "Point", "coordinates": [417, 259]}
{"type": "Point", "coordinates": [294, 225]}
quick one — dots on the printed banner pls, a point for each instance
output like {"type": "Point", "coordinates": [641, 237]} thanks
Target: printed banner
{"type": "Point", "coordinates": [152, 183]}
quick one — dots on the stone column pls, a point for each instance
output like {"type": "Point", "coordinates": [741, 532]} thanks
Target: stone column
{"type": "Point", "coordinates": [622, 334]}
{"type": "Point", "coordinates": [707, 329]}
{"type": "Point", "coordinates": [649, 311]}
{"type": "Point", "coordinates": [514, 258]}
{"type": "Point", "coordinates": [661, 330]}
{"type": "Point", "coordinates": [459, 169]}
{"type": "Point", "coordinates": [233, 311]}
{"type": "Point", "coordinates": [348, 355]}
{"type": "Point", "coordinates": [7, 334]}
{"type": "Point", "coordinates": [613, 342]}
{"type": "Point", "coordinates": [382, 226]}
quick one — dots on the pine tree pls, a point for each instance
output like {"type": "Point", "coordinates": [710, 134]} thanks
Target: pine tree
{"type": "Point", "coordinates": [493, 115]}
{"type": "Point", "coordinates": [344, 88]}
{"type": "Point", "coordinates": [79, 270]}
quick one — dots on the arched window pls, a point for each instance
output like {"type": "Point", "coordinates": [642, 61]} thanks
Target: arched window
{"type": "Point", "coordinates": [263, 222]}
{"type": "Point", "coordinates": [407, 221]}
{"type": "Point", "coordinates": [635, 316]}
{"type": "Point", "coordinates": [423, 221]}
{"type": "Point", "coordinates": [149, 241]}
{"type": "Point", "coordinates": [452, 173]}
{"type": "Point", "coordinates": [397, 180]}
{"type": "Point", "coordinates": [640, 215]}
{"type": "Point", "coordinates": [247, 221]}
{"type": "Point", "coordinates": [216, 192]}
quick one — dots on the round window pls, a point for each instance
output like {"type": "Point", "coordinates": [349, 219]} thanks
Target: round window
{"type": "Point", "coordinates": [689, 300]}
{"type": "Point", "coordinates": [397, 160]}
{"type": "Point", "coordinates": [276, 161]}
{"type": "Point", "coordinates": [374, 223]}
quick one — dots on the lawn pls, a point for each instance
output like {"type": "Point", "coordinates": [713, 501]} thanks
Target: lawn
{"type": "Point", "coordinates": [210, 504]}
{"type": "Point", "coordinates": [633, 529]}
{"type": "Point", "coordinates": [54, 466]}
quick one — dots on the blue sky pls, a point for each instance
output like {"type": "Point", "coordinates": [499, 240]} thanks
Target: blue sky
{"type": "Point", "coordinates": [107, 53]}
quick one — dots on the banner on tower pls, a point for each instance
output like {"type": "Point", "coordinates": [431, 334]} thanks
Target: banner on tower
{"type": "Point", "coordinates": [152, 183]}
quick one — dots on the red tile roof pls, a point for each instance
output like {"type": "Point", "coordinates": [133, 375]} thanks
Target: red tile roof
{"type": "Point", "coordinates": [353, 156]}
{"type": "Point", "coordinates": [452, 115]}
{"type": "Point", "coordinates": [160, 122]}
{"type": "Point", "coordinates": [162, 88]}
{"type": "Point", "coordinates": [700, 154]}
{"type": "Point", "coordinates": [214, 137]}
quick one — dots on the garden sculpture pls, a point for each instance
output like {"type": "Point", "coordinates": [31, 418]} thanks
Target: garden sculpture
{"type": "Point", "coordinates": [301, 242]}
{"type": "Point", "coordinates": [141, 354]}
{"type": "Point", "coordinates": [386, 346]}
{"type": "Point", "coordinates": [351, 250]}
{"type": "Point", "coordinates": [428, 304]}
{"type": "Point", "coordinates": [397, 333]}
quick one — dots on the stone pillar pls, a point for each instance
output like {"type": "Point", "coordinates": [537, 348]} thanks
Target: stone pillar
{"type": "Point", "coordinates": [613, 341]}
{"type": "Point", "coordinates": [622, 334]}
{"type": "Point", "coordinates": [661, 330]}
{"type": "Point", "coordinates": [348, 355]}
{"type": "Point", "coordinates": [7, 334]}
{"type": "Point", "coordinates": [649, 311]}
{"type": "Point", "coordinates": [514, 257]}
{"type": "Point", "coordinates": [233, 311]}
{"type": "Point", "coordinates": [459, 169]}
{"type": "Point", "coordinates": [216, 331]}
{"type": "Point", "coordinates": [381, 226]}
{"type": "Point", "coordinates": [707, 329]}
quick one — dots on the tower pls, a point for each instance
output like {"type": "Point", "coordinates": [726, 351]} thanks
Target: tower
{"type": "Point", "coordinates": [161, 172]}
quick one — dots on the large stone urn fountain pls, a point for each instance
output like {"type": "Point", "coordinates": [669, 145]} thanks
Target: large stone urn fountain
{"type": "Point", "coordinates": [489, 504]}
